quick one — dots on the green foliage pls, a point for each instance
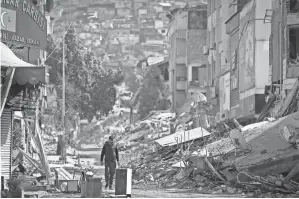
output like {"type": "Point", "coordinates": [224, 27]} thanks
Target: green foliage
{"type": "Point", "coordinates": [89, 87]}
{"type": "Point", "coordinates": [130, 79]}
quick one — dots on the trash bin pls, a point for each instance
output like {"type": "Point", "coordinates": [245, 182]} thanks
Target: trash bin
{"type": "Point", "coordinates": [123, 182]}
{"type": "Point", "coordinates": [96, 188]}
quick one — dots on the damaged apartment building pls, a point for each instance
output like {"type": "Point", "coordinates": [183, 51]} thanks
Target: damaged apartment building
{"type": "Point", "coordinates": [245, 40]}
{"type": "Point", "coordinates": [187, 63]}
{"type": "Point", "coordinates": [284, 46]}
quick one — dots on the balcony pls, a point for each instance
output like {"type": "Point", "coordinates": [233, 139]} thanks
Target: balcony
{"type": "Point", "coordinates": [292, 19]}
{"type": "Point", "coordinates": [197, 86]}
{"type": "Point", "coordinates": [293, 69]}
{"type": "Point", "coordinates": [292, 10]}
{"type": "Point", "coordinates": [181, 85]}
{"type": "Point", "coordinates": [293, 59]}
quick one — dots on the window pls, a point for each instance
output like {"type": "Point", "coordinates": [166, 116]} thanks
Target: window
{"type": "Point", "coordinates": [294, 6]}
{"type": "Point", "coordinates": [163, 31]}
{"type": "Point", "coordinates": [220, 13]}
{"type": "Point", "coordinates": [166, 74]}
{"type": "Point", "coordinates": [195, 73]}
{"type": "Point", "coordinates": [213, 5]}
{"type": "Point", "coordinates": [294, 44]}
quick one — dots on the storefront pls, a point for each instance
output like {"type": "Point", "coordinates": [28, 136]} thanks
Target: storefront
{"type": "Point", "coordinates": [23, 37]}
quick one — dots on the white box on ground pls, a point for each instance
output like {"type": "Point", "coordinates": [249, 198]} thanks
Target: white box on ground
{"type": "Point", "coordinates": [123, 182]}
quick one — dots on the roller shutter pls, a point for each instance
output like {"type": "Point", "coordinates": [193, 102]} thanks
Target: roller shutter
{"type": "Point", "coordinates": [6, 136]}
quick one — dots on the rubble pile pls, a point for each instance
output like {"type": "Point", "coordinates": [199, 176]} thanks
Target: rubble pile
{"type": "Point", "coordinates": [156, 125]}
{"type": "Point", "coordinates": [217, 166]}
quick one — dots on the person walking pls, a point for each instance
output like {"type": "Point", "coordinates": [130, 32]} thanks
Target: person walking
{"type": "Point", "coordinates": [110, 152]}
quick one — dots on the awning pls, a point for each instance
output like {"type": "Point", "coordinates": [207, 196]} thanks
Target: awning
{"type": "Point", "coordinates": [25, 72]}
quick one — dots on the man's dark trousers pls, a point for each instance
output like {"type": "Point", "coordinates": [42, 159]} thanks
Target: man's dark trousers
{"type": "Point", "coordinates": [110, 167]}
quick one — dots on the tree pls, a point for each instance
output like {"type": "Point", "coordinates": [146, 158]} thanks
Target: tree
{"type": "Point", "coordinates": [89, 87]}
{"type": "Point", "coordinates": [151, 91]}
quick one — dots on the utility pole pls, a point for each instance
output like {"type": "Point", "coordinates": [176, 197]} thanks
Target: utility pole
{"type": "Point", "coordinates": [63, 92]}
{"type": "Point", "coordinates": [281, 37]}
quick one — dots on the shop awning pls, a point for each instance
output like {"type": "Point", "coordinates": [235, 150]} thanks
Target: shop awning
{"type": "Point", "coordinates": [25, 72]}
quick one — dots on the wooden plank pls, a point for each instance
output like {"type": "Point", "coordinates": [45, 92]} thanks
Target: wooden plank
{"type": "Point", "coordinates": [6, 87]}
{"type": "Point", "coordinates": [267, 108]}
{"type": "Point", "coordinates": [288, 100]}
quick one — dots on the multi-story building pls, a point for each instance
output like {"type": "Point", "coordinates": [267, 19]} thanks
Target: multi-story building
{"type": "Point", "coordinates": [23, 76]}
{"type": "Point", "coordinates": [187, 64]}
{"type": "Point", "coordinates": [123, 4]}
{"type": "Point", "coordinates": [238, 55]}
{"type": "Point", "coordinates": [284, 43]}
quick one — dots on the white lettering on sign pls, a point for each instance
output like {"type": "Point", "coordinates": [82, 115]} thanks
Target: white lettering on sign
{"type": "Point", "coordinates": [14, 3]}
{"type": "Point", "coordinates": [19, 39]}
{"type": "Point", "coordinates": [31, 10]}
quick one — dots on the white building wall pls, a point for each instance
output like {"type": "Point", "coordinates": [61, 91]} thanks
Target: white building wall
{"type": "Point", "coordinates": [262, 35]}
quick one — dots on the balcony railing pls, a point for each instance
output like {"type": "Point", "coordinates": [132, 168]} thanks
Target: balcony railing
{"type": "Point", "coordinates": [194, 83]}
{"type": "Point", "coordinates": [197, 84]}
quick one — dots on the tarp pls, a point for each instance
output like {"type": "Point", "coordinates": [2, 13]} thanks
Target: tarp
{"type": "Point", "coordinates": [25, 72]}
{"type": "Point", "coordinates": [9, 59]}
{"type": "Point", "coordinates": [183, 136]}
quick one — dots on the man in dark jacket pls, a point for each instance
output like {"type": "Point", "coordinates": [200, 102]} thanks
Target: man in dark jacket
{"type": "Point", "coordinates": [111, 156]}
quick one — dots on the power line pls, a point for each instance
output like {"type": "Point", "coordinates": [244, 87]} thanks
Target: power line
{"type": "Point", "coordinates": [58, 43]}
{"type": "Point", "coordinates": [66, 62]}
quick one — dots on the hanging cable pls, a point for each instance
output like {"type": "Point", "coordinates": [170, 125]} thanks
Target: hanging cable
{"type": "Point", "coordinates": [56, 47]}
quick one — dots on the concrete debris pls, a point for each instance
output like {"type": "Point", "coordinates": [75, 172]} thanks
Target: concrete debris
{"type": "Point", "coordinates": [213, 164]}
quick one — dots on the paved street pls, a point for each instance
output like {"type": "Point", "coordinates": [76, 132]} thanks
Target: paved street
{"type": "Point", "coordinates": [142, 193]}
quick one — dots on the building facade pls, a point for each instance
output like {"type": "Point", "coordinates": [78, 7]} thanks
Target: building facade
{"type": "Point", "coordinates": [238, 55]}
{"type": "Point", "coordinates": [24, 29]}
{"type": "Point", "coordinates": [284, 43]}
{"type": "Point", "coordinates": [187, 64]}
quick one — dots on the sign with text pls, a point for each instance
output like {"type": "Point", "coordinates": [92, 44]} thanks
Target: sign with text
{"type": "Point", "coordinates": [23, 23]}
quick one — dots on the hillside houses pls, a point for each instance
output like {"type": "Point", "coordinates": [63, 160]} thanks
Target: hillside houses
{"type": "Point", "coordinates": [122, 31]}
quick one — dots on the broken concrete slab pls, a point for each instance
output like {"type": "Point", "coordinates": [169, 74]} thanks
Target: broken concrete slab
{"type": "Point", "coordinates": [280, 156]}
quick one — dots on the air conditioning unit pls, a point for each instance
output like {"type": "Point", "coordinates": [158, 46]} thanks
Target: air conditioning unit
{"type": "Point", "coordinates": [205, 50]}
